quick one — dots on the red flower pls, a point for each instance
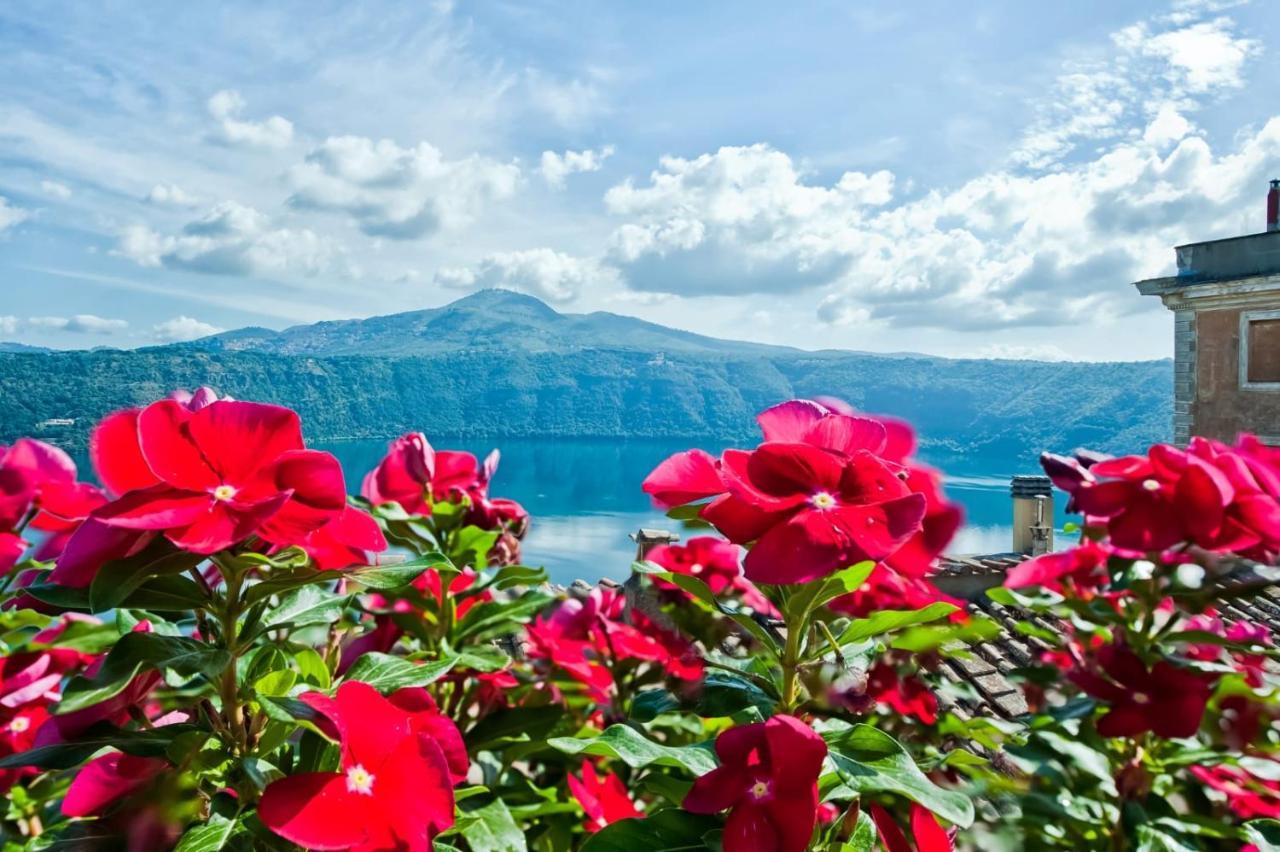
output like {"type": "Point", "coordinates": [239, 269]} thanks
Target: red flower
{"type": "Point", "coordinates": [39, 478]}
{"type": "Point", "coordinates": [1083, 567]}
{"type": "Point", "coordinates": [1167, 699]}
{"type": "Point", "coordinates": [116, 451]}
{"type": "Point", "coordinates": [1248, 796]}
{"type": "Point", "coordinates": [106, 779]}
{"type": "Point", "coordinates": [928, 835]}
{"type": "Point", "coordinates": [415, 475]}
{"type": "Point", "coordinates": [345, 541]}
{"type": "Point", "coordinates": [887, 589]}
{"type": "Point", "coordinates": [814, 497]}
{"type": "Point", "coordinates": [909, 696]}
{"type": "Point", "coordinates": [768, 779]}
{"type": "Point", "coordinates": [395, 787]}
{"type": "Point", "coordinates": [715, 562]}
{"type": "Point", "coordinates": [227, 471]}
{"type": "Point", "coordinates": [602, 797]}
{"type": "Point", "coordinates": [1217, 498]}
{"type": "Point", "coordinates": [587, 636]}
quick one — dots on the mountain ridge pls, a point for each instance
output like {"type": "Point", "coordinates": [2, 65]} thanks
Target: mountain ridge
{"type": "Point", "coordinates": [504, 365]}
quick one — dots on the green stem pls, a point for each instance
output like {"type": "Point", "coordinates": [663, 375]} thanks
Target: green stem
{"type": "Point", "coordinates": [229, 689]}
{"type": "Point", "coordinates": [790, 665]}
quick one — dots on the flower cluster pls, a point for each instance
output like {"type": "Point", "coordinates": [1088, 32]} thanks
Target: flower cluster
{"type": "Point", "coordinates": [218, 648]}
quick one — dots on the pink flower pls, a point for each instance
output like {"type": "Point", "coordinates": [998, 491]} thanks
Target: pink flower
{"type": "Point", "coordinates": [39, 478]}
{"type": "Point", "coordinates": [909, 696]}
{"type": "Point", "coordinates": [768, 780]}
{"type": "Point", "coordinates": [106, 779]}
{"type": "Point", "coordinates": [715, 562]}
{"type": "Point", "coordinates": [415, 475]}
{"type": "Point", "coordinates": [887, 589]}
{"type": "Point", "coordinates": [394, 789]}
{"type": "Point", "coordinates": [1248, 796]}
{"type": "Point", "coordinates": [116, 451]}
{"type": "Point", "coordinates": [1166, 699]}
{"type": "Point", "coordinates": [602, 797]}
{"type": "Point", "coordinates": [227, 471]}
{"type": "Point", "coordinates": [587, 637]}
{"type": "Point", "coordinates": [1084, 568]}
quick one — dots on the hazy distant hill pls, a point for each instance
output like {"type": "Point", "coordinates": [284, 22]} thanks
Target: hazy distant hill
{"type": "Point", "coordinates": [500, 364]}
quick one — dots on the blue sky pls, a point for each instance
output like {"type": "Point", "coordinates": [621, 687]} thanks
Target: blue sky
{"type": "Point", "coordinates": [978, 179]}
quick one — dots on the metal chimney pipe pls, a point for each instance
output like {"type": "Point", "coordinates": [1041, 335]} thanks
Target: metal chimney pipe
{"type": "Point", "coordinates": [1032, 514]}
{"type": "Point", "coordinates": [1273, 206]}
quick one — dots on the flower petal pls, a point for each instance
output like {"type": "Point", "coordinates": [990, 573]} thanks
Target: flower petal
{"type": "Point", "coordinates": [117, 455]}
{"type": "Point", "coordinates": [683, 478]}
{"type": "Point", "coordinates": [238, 438]}
{"type": "Point", "coordinates": [791, 420]}
{"type": "Point", "coordinates": [314, 810]}
{"type": "Point", "coordinates": [168, 449]}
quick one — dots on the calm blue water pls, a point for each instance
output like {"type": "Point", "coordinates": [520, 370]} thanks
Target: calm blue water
{"type": "Point", "coordinates": [585, 497]}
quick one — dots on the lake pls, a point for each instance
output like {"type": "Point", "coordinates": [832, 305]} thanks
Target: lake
{"type": "Point", "coordinates": [585, 497]}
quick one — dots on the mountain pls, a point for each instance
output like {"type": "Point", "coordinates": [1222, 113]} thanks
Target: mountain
{"type": "Point", "coordinates": [7, 346]}
{"type": "Point", "coordinates": [488, 320]}
{"type": "Point", "coordinates": [497, 364]}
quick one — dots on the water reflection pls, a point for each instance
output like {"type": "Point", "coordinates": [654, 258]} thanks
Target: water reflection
{"type": "Point", "coordinates": [585, 496]}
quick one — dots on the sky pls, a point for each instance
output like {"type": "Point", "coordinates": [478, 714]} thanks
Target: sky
{"type": "Point", "coordinates": [980, 179]}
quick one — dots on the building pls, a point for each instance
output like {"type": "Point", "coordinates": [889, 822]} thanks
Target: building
{"type": "Point", "coordinates": [1225, 299]}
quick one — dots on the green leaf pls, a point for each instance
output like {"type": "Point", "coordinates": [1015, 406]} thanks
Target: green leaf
{"type": "Point", "coordinates": [635, 750]}
{"type": "Point", "coordinates": [472, 546]}
{"type": "Point", "coordinates": [151, 743]}
{"type": "Point", "coordinates": [1263, 833]}
{"type": "Point", "coordinates": [811, 596]}
{"type": "Point", "coordinates": [652, 703]}
{"type": "Point", "coordinates": [724, 694]}
{"type": "Point", "coordinates": [280, 582]}
{"type": "Point", "coordinates": [172, 593]}
{"type": "Point", "coordinates": [386, 673]}
{"type": "Point", "coordinates": [871, 761]}
{"type": "Point", "coordinates": [136, 652]}
{"type": "Point", "coordinates": [515, 724]}
{"type": "Point", "coordinates": [702, 592]}
{"type": "Point", "coordinates": [669, 829]}
{"type": "Point", "coordinates": [492, 617]}
{"type": "Point", "coordinates": [63, 597]}
{"type": "Point", "coordinates": [213, 836]}
{"type": "Point", "coordinates": [491, 828]}
{"type": "Point", "coordinates": [311, 667]}
{"type": "Point", "coordinates": [117, 578]}
{"type": "Point", "coordinates": [302, 607]}
{"type": "Point", "coordinates": [888, 620]}
{"type": "Point", "coordinates": [513, 575]}
{"type": "Point", "coordinates": [399, 575]}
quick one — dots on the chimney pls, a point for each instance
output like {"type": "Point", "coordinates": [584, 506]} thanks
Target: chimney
{"type": "Point", "coordinates": [1273, 206]}
{"type": "Point", "coordinates": [647, 540]}
{"type": "Point", "coordinates": [1032, 514]}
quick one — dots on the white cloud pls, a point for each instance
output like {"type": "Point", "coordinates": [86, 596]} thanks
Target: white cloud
{"type": "Point", "coordinates": [556, 167]}
{"type": "Point", "coordinates": [171, 195]}
{"type": "Point", "coordinates": [539, 272]}
{"type": "Point", "coordinates": [226, 107]}
{"type": "Point", "coordinates": [182, 328]}
{"type": "Point", "coordinates": [741, 220]}
{"type": "Point", "coordinates": [80, 324]}
{"type": "Point", "coordinates": [1169, 62]}
{"type": "Point", "coordinates": [232, 239]}
{"type": "Point", "coordinates": [10, 215]}
{"type": "Point", "coordinates": [8, 325]}
{"type": "Point", "coordinates": [395, 192]}
{"type": "Point", "coordinates": [56, 190]}
{"type": "Point", "coordinates": [570, 103]}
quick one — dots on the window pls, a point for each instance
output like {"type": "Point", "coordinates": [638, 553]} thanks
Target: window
{"type": "Point", "coordinates": [1260, 350]}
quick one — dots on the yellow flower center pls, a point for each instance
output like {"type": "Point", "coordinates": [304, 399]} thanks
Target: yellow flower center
{"type": "Point", "coordinates": [1141, 698]}
{"type": "Point", "coordinates": [695, 568]}
{"type": "Point", "coordinates": [1151, 485]}
{"type": "Point", "coordinates": [759, 790]}
{"type": "Point", "coordinates": [19, 724]}
{"type": "Point", "coordinates": [822, 500]}
{"type": "Point", "coordinates": [359, 780]}
{"type": "Point", "coordinates": [224, 492]}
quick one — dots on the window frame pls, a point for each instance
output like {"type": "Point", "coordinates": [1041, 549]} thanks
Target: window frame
{"type": "Point", "coordinates": [1247, 317]}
